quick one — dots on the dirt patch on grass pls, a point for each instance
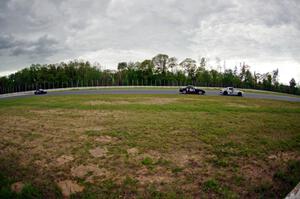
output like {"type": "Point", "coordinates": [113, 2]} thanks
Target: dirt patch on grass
{"type": "Point", "coordinates": [181, 159]}
{"type": "Point", "coordinates": [159, 176]}
{"type": "Point", "coordinates": [286, 156]}
{"type": "Point", "coordinates": [106, 139]}
{"type": "Point", "coordinates": [89, 172]}
{"type": "Point", "coordinates": [69, 187]}
{"type": "Point", "coordinates": [256, 172]}
{"type": "Point", "coordinates": [17, 187]}
{"type": "Point", "coordinates": [41, 163]}
{"type": "Point", "coordinates": [132, 151]}
{"type": "Point", "coordinates": [64, 159]}
{"type": "Point", "coordinates": [153, 155]}
{"type": "Point", "coordinates": [184, 158]}
{"type": "Point", "coordinates": [98, 152]}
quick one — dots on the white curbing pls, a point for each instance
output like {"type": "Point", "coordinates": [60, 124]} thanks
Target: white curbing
{"type": "Point", "coordinates": [16, 94]}
{"type": "Point", "coordinates": [295, 193]}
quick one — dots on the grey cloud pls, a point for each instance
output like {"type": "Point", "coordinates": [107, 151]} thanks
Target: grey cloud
{"type": "Point", "coordinates": [7, 41]}
{"type": "Point", "coordinates": [42, 46]}
{"type": "Point", "coordinates": [230, 29]}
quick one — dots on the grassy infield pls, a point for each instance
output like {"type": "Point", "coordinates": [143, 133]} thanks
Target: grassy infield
{"type": "Point", "coordinates": [161, 146]}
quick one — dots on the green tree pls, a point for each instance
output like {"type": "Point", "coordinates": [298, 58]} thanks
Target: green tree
{"type": "Point", "coordinates": [190, 66]}
{"type": "Point", "coordinates": [293, 83]}
{"type": "Point", "coordinates": [228, 78]}
{"type": "Point", "coordinates": [172, 63]}
{"type": "Point", "coordinates": [160, 63]}
{"type": "Point", "coordinates": [203, 63]}
{"type": "Point", "coordinates": [248, 79]}
{"type": "Point", "coordinates": [122, 66]}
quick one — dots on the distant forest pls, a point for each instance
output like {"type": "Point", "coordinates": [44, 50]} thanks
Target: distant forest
{"type": "Point", "coordinates": [161, 70]}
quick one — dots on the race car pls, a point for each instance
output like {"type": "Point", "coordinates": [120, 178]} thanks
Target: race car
{"type": "Point", "coordinates": [231, 91]}
{"type": "Point", "coordinates": [191, 90]}
{"type": "Point", "coordinates": [40, 92]}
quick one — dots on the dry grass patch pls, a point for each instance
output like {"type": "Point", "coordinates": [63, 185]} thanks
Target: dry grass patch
{"type": "Point", "coordinates": [106, 139]}
{"type": "Point", "coordinates": [158, 176]}
{"type": "Point", "coordinates": [69, 187]}
{"type": "Point", "coordinates": [17, 187]}
{"type": "Point", "coordinates": [257, 172]}
{"type": "Point", "coordinates": [132, 151]}
{"type": "Point", "coordinates": [90, 172]}
{"type": "Point", "coordinates": [239, 105]}
{"type": "Point", "coordinates": [142, 101]}
{"type": "Point", "coordinates": [185, 158]}
{"type": "Point", "coordinates": [98, 152]}
{"type": "Point", "coordinates": [102, 102]}
{"type": "Point", "coordinates": [64, 159]}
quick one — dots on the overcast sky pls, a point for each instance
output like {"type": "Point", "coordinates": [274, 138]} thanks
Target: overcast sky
{"type": "Point", "coordinates": [263, 33]}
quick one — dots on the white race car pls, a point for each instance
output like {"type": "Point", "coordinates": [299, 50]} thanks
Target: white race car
{"type": "Point", "coordinates": [231, 91]}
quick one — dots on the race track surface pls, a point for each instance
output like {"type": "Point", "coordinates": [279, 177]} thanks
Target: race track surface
{"type": "Point", "coordinates": [152, 91]}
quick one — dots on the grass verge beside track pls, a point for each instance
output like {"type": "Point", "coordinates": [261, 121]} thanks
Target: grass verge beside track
{"type": "Point", "coordinates": [163, 146]}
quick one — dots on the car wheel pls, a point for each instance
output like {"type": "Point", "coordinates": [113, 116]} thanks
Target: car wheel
{"type": "Point", "coordinates": [183, 92]}
{"type": "Point", "coordinates": [225, 93]}
{"type": "Point", "coordinates": [240, 94]}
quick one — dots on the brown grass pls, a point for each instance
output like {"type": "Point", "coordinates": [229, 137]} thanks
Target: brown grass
{"type": "Point", "coordinates": [149, 101]}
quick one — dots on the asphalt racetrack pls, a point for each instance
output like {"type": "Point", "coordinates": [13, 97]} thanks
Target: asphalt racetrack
{"type": "Point", "coordinates": [171, 91]}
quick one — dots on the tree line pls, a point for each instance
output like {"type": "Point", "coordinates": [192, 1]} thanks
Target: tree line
{"type": "Point", "coordinates": [161, 70]}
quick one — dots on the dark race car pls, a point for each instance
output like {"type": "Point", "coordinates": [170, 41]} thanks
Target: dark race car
{"type": "Point", "coordinates": [191, 90]}
{"type": "Point", "coordinates": [40, 92]}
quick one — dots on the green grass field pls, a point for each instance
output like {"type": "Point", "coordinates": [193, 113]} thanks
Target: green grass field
{"type": "Point", "coordinates": [149, 146]}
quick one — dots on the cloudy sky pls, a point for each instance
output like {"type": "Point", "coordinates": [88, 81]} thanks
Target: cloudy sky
{"type": "Point", "coordinates": [265, 34]}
